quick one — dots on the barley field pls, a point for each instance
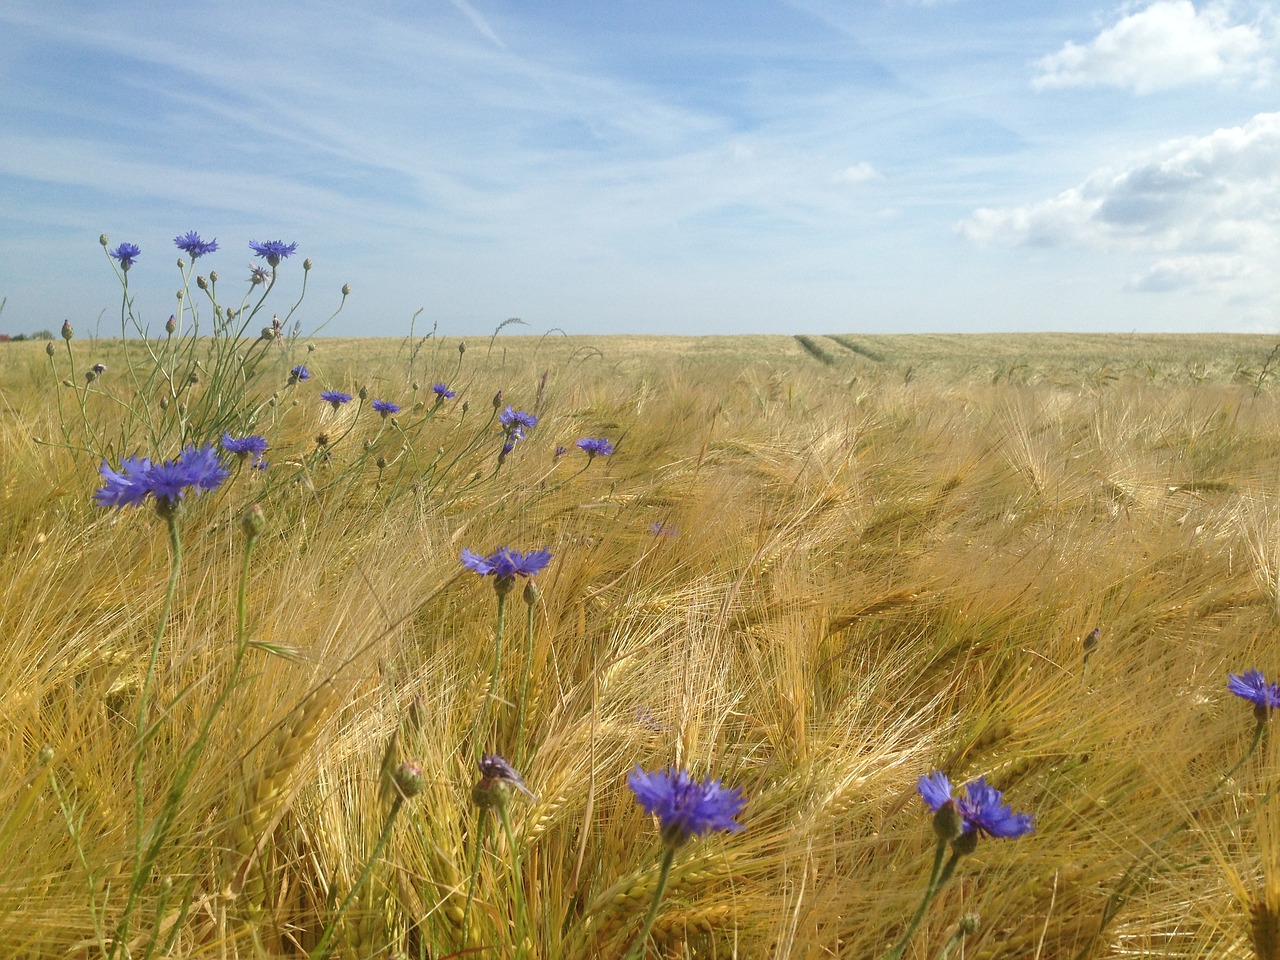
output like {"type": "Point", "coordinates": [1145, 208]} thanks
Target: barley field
{"type": "Point", "coordinates": [244, 721]}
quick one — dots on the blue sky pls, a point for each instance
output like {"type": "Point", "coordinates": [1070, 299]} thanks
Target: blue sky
{"type": "Point", "coordinates": [645, 166]}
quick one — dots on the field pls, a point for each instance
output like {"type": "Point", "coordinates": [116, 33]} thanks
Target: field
{"type": "Point", "coordinates": [813, 568]}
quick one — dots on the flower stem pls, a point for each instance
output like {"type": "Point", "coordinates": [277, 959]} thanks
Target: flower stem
{"type": "Point", "coordinates": [144, 735]}
{"type": "Point", "coordinates": [937, 879]}
{"type": "Point", "coordinates": [517, 879]}
{"type": "Point", "coordinates": [475, 875]}
{"type": "Point", "coordinates": [323, 948]}
{"type": "Point", "coordinates": [524, 688]}
{"type": "Point", "coordinates": [636, 950]}
{"type": "Point", "coordinates": [486, 714]}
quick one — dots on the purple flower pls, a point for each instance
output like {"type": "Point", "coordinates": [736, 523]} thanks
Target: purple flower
{"type": "Point", "coordinates": [495, 767]}
{"type": "Point", "coordinates": [561, 451]}
{"type": "Point", "coordinates": [506, 564]}
{"type": "Point", "coordinates": [336, 397]}
{"type": "Point", "coordinates": [443, 392]}
{"type": "Point", "coordinates": [299, 374]}
{"type": "Point", "coordinates": [273, 251]}
{"type": "Point", "coordinates": [168, 482]}
{"type": "Point", "coordinates": [595, 446]}
{"type": "Point", "coordinates": [1252, 686]}
{"type": "Point", "coordinates": [193, 245]}
{"type": "Point", "coordinates": [983, 807]}
{"type": "Point", "coordinates": [386, 407]}
{"type": "Point", "coordinates": [251, 446]}
{"type": "Point", "coordinates": [126, 253]}
{"type": "Point", "coordinates": [660, 529]}
{"type": "Point", "coordinates": [517, 420]}
{"type": "Point", "coordinates": [686, 807]}
{"type": "Point", "coordinates": [258, 275]}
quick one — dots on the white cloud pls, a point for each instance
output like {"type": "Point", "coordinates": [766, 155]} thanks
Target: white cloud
{"type": "Point", "coordinates": [1166, 45]}
{"type": "Point", "coordinates": [479, 22]}
{"type": "Point", "coordinates": [858, 173]}
{"type": "Point", "coordinates": [1207, 208]}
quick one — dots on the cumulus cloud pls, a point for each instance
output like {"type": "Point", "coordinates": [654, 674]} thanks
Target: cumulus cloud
{"type": "Point", "coordinates": [858, 173]}
{"type": "Point", "coordinates": [1206, 208]}
{"type": "Point", "coordinates": [1168, 44]}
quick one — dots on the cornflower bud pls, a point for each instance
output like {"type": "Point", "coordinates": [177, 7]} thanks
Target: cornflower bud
{"type": "Point", "coordinates": [68, 331]}
{"type": "Point", "coordinates": [408, 779]}
{"type": "Point", "coordinates": [948, 822]}
{"type": "Point", "coordinates": [213, 276]}
{"type": "Point", "coordinates": [171, 324]}
{"type": "Point", "coordinates": [346, 289]}
{"type": "Point", "coordinates": [306, 264]}
{"type": "Point", "coordinates": [254, 521]}
{"type": "Point", "coordinates": [102, 239]}
{"type": "Point", "coordinates": [202, 283]}
{"type": "Point", "coordinates": [49, 349]}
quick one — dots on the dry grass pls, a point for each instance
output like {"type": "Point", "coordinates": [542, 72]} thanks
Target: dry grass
{"type": "Point", "coordinates": [865, 576]}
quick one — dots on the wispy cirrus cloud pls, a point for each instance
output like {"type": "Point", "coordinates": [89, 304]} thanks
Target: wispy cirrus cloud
{"type": "Point", "coordinates": [1204, 210]}
{"type": "Point", "coordinates": [1166, 45]}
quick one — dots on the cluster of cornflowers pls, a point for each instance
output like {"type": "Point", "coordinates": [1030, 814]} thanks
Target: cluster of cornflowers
{"type": "Point", "coordinates": [190, 243]}
{"type": "Point", "coordinates": [515, 424]}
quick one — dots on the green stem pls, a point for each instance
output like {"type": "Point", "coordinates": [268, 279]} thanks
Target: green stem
{"type": "Point", "coordinates": [481, 730]}
{"type": "Point", "coordinates": [518, 880]}
{"type": "Point", "coordinates": [73, 829]}
{"type": "Point", "coordinates": [636, 951]}
{"type": "Point", "coordinates": [524, 688]}
{"type": "Point", "coordinates": [475, 875]}
{"type": "Point", "coordinates": [144, 734]}
{"type": "Point", "coordinates": [323, 949]}
{"type": "Point", "coordinates": [187, 765]}
{"type": "Point", "coordinates": [937, 880]}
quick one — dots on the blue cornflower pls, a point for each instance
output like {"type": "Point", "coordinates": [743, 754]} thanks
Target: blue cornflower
{"type": "Point", "coordinates": [245, 447]}
{"type": "Point", "coordinates": [273, 251]}
{"type": "Point", "coordinates": [336, 397]}
{"type": "Point", "coordinates": [1253, 686]}
{"type": "Point", "coordinates": [126, 253]}
{"type": "Point", "coordinates": [443, 392]}
{"type": "Point", "coordinates": [299, 374]}
{"type": "Point", "coordinates": [595, 446]}
{"type": "Point", "coordinates": [385, 407]}
{"type": "Point", "coordinates": [983, 807]}
{"type": "Point", "coordinates": [561, 450]}
{"type": "Point", "coordinates": [517, 420]}
{"type": "Point", "coordinates": [505, 564]}
{"type": "Point", "coordinates": [193, 245]}
{"type": "Point", "coordinates": [168, 482]}
{"type": "Point", "coordinates": [686, 807]}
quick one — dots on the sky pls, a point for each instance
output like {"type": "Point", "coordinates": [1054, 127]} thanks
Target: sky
{"type": "Point", "coordinates": [651, 166]}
